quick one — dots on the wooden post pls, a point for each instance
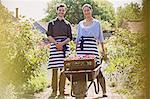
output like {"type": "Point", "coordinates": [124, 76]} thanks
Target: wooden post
{"type": "Point", "coordinates": [17, 14]}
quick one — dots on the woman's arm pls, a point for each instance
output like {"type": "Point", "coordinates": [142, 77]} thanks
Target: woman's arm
{"type": "Point", "coordinates": [103, 49]}
{"type": "Point", "coordinates": [101, 40]}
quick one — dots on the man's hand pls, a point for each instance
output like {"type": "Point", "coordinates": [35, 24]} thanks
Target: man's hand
{"type": "Point", "coordinates": [59, 46]}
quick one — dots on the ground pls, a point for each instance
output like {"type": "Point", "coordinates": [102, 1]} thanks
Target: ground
{"type": "Point", "coordinates": [91, 93]}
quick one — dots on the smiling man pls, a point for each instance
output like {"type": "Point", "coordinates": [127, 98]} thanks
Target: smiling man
{"type": "Point", "coordinates": [59, 34]}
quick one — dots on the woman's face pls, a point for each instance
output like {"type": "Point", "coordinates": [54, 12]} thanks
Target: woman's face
{"type": "Point", "coordinates": [87, 12]}
{"type": "Point", "coordinates": [61, 11]}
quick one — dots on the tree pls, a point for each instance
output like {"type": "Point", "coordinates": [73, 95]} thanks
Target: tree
{"type": "Point", "coordinates": [51, 10]}
{"type": "Point", "coordinates": [74, 13]}
{"type": "Point", "coordinates": [131, 12]}
{"type": "Point", "coordinates": [74, 9]}
{"type": "Point", "coordinates": [106, 11]}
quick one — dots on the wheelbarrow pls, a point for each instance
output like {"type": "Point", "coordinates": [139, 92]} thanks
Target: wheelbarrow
{"type": "Point", "coordinates": [81, 71]}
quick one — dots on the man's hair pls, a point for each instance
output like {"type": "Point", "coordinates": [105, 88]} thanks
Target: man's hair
{"type": "Point", "coordinates": [87, 5]}
{"type": "Point", "coordinates": [60, 5]}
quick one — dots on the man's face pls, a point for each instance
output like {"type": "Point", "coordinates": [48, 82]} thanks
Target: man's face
{"type": "Point", "coordinates": [61, 11]}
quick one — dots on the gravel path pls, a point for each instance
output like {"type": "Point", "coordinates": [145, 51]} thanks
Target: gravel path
{"type": "Point", "coordinates": [91, 93]}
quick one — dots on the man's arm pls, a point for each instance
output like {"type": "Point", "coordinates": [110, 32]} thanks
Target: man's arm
{"type": "Point", "coordinates": [65, 41]}
{"type": "Point", "coordinates": [52, 40]}
{"type": "Point", "coordinates": [50, 32]}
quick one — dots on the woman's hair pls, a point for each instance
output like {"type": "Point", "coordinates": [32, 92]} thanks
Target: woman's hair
{"type": "Point", "coordinates": [60, 5]}
{"type": "Point", "coordinates": [87, 5]}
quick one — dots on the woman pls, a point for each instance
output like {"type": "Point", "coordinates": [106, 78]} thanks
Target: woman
{"type": "Point", "coordinates": [89, 36]}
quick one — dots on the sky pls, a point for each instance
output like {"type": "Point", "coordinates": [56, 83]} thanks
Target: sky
{"type": "Point", "coordinates": [36, 8]}
{"type": "Point", "coordinates": [30, 8]}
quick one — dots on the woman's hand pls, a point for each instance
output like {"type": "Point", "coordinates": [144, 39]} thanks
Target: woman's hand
{"type": "Point", "coordinates": [104, 55]}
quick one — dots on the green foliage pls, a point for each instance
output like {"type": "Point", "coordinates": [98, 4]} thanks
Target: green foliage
{"type": "Point", "coordinates": [126, 56]}
{"type": "Point", "coordinates": [36, 79]}
{"type": "Point", "coordinates": [8, 47]}
{"type": "Point", "coordinates": [72, 46]}
{"type": "Point", "coordinates": [36, 83]}
{"type": "Point", "coordinates": [106, 11]}
{"type": "Point", "coordinates": [51, 11]}
{"type": "Point", "coordinates": [131, 12]}
{"type": "Point", "coordinates": [74, 10]}
{"type": "Point", "coordinates": [74, 13]}
{"type": "Point", "coordinates": [20, 57]}
{"type": "Point", "coordinates": [106, 25]}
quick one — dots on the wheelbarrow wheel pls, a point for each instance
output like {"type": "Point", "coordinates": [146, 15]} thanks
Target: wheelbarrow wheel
{"type": "Point", "coordinates": [79, 89]}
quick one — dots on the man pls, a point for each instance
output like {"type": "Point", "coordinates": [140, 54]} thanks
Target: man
{"type": "Point", "coordinates": [59, 34]}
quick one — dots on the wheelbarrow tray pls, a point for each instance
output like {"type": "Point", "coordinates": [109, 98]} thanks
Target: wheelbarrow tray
{"type": "Point", "coordinates": [82, 64]}
{"type": "Point", "coordinates": [83, 74]}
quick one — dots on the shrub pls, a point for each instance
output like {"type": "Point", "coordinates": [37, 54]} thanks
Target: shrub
{"type": "Point", "coordinates": [126, 56]}
{"type": "Point", "coordinates": [21, 57]}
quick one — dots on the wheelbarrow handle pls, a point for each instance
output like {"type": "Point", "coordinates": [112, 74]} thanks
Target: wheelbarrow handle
{"type": "Point", "coordinates": [96, 89]}
{"type": "Point", "coordinates": [101, 60]}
